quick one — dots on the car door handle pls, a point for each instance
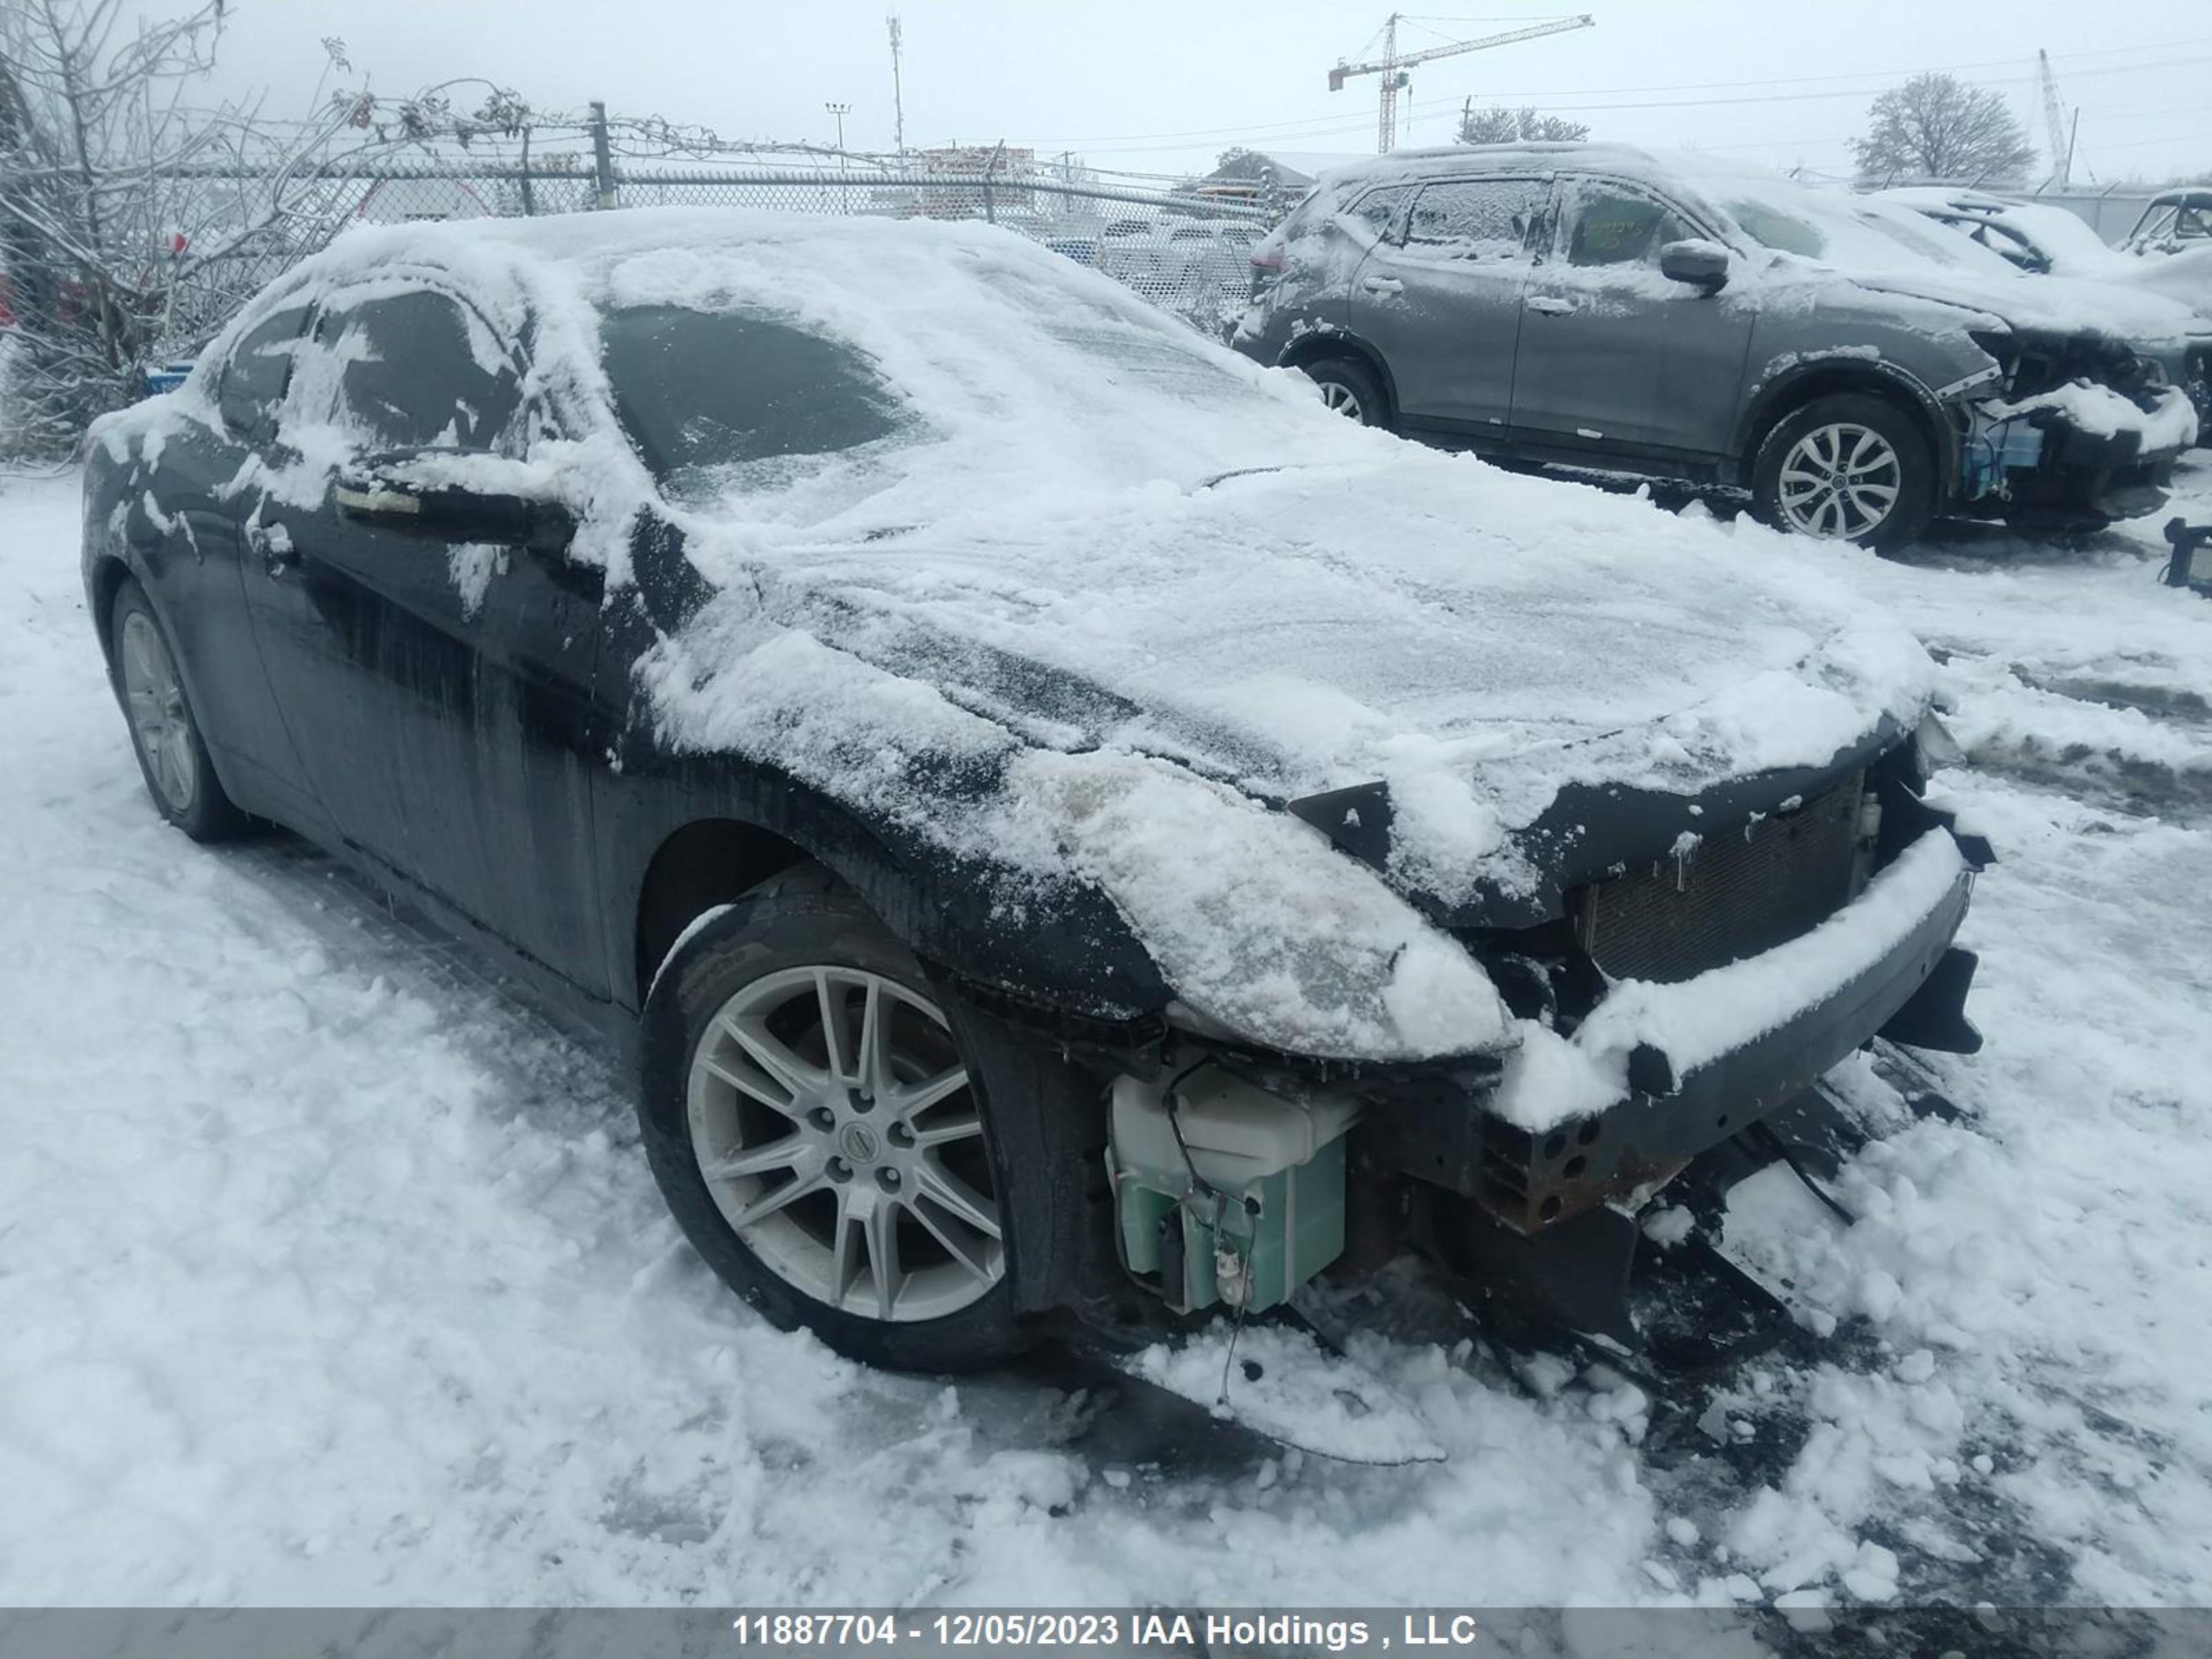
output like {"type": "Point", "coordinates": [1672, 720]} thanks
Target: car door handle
{"type": "Point", "coordinates": [1544, 306]}
{"type": "Point", "coordinates": [1381, 285]}
{"type": "Point", "coordinates": [274, 545]}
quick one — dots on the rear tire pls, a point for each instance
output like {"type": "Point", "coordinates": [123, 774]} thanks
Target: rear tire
{"type": "Point", "coordinates": [165, 734]}
{"type": "Point", "coordinates": [1849, 467]}
{"type": "Point", "coordinates": [894, 1251]}
{"type": "Point", "coordinates": [1350, 388]}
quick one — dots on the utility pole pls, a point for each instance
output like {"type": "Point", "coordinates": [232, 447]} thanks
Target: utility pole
{"type": "Point", "coordinates": [602, 164]}
{"type": "Point", "coordinates": [898, 98]}
{"type": "Point", "coordinates": [844, 196]}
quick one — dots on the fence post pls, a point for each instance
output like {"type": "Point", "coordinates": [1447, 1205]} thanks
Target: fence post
{"type": "Point", "coordinates": [529, 196]}
{"type": "Point", "coordinates": [991, 172]}
{"type": "Point", "coordinates": [603, 163]}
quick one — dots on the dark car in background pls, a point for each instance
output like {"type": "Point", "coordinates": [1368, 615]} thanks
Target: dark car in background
{"type": "Point", "coordinates": [1073, 832]}
{"type": "Point", "coordinates": [1853, 369]}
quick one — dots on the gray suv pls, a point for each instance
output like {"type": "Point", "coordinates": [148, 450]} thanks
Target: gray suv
{"type": "Point", "coordinates": [1853, 369]}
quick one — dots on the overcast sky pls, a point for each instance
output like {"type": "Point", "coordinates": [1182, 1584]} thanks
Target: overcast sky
{"type": "Point", "coordinates": [1162, 85]}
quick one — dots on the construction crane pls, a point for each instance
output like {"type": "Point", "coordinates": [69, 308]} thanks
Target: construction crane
{"type": "Point", "coordinates": [1392, 65]}
{"type": "Point", "coordinates": [2054, 119]}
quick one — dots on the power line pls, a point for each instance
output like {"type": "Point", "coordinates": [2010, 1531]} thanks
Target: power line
{"type": "Point", "coordinates": [1279, 132]}
{"type": "Point", "coordinates": [1309, 123]}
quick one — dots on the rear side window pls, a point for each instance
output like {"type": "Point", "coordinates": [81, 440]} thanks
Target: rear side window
{"type": "Point", "coordinates": [1610, 227]}
{"type": "Point", "coordinates": [1378, 210]}
{"type": "Point", "coordinates": [254, 379]}
{"type": "Point", "coordinates": [1483, 220]}
{"type": "Point", "coordinates": [419, 370]}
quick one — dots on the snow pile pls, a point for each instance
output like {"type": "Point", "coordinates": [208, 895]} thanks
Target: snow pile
{"type": "Point", "coordinates": [1279, 1380]}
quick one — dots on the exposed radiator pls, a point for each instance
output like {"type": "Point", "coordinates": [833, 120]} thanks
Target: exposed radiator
{"type": "Point", "coordinates": [1738, 892]}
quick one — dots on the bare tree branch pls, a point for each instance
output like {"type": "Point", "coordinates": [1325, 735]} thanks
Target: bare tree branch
{"type": "Point", "coordinates": [1936, 127]}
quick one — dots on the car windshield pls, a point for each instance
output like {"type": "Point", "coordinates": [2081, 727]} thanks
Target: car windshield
{"type": "Point", "coordinates": [797, 421]}
{"type": "Point", "coordinates": [1850, 232]}
{"type": "Point", "coordinates": [717, 401]}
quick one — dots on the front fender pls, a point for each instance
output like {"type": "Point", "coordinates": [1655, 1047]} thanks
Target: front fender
{"type": "Point", "coordinates": [1057, 944]}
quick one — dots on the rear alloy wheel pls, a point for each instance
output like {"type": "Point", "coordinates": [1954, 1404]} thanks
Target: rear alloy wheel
{"type": "Point", "coordinates": [822, 1135]}
{"type": "Point", "coordinates": [1350, 388]}
{"type": "Point", "coordinates": [1849, 468]}
{"type": "Point", "coordinates": [172, 756]}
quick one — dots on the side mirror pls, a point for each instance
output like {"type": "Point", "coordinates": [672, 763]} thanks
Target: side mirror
{"type": "Point", "coordinates": [457, 495]}
{"type": "Point", "coordinates": [1695, 261]}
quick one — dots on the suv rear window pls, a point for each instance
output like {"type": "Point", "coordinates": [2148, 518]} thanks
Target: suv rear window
{"type": "Point", "coordinates": [1481, 219]}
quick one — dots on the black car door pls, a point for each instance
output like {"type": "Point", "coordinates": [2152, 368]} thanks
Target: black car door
{"type": "Point", "coordinates": [184, 533]}
{"type": "Point", "coordinates": [439, 695]}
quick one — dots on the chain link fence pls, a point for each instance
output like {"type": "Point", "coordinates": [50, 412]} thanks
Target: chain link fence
{"type": "Point", "coordinates": [1187, 251]}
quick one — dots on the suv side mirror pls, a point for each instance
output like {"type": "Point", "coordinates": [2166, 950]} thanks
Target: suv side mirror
{"type": "Point", "coordinates": [1695, 261]}
{"type": "Point", "coordinates": [457, 495]}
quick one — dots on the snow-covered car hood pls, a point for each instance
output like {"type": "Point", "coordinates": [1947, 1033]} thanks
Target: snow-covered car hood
{"type": "Point", "coordinates": [2055, 304]}
{"type": "Point", "coordinates": [1475, 640]}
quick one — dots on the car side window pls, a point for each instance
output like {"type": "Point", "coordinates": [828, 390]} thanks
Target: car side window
{"type": "Point", "coordinates": [1378, 210]}
{"type": "Point", "coordinates": [260, 366]}
{"type": "Point", "coordinates": [1606, 225]}
{"type": "Point", "coordinates": [1483, 220]}
{"type": "Point", "coordinates": [417, 370]}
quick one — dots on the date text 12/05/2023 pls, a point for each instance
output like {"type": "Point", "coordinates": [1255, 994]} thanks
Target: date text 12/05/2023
{"type": "Point", "coordinates": [1146, 1628]}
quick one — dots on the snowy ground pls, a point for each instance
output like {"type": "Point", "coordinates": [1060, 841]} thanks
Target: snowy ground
{"type": "Point", "coordinates": [330, 1277]}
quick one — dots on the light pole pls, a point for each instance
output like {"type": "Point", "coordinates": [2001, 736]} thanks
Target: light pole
{"type": "Point", "coordinates": [844, 196]}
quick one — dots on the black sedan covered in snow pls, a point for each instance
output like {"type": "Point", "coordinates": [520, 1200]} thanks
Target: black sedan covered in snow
{"type": "Point", "coordinates": [1076, 832]}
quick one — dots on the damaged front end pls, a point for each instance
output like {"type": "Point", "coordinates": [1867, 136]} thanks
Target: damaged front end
{"type": "Point", "coordinates": [2072, 431]}
{"type": "Point", "coordinates": [1238, 1175]}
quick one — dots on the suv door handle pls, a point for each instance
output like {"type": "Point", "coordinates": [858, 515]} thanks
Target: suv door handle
{"type": "Point", "coordinates": [1544, 306]}
{"type": "Point", "coordinates": [1381, 285]}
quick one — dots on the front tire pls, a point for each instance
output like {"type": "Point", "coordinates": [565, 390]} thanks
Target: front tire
{"type": "Point", "coordinates": [824, 1137]}
{"type": "Point", "coordinates": [1350, 388]}
{"type": "Point", "coordinates": [165, 734]}
{"type": "Point", "coordinates": [1849, 467]}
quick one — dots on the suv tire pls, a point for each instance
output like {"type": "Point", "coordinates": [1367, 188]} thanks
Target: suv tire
{"type": "Point", "coordinates": [895, 1252]}
{"type": "Point", "coordinates": [1350, 388]}
{"type": "Point", "coordinates": [1849, 467]}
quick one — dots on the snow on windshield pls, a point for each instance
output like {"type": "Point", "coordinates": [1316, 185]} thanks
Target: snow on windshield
{"type": "Point", "coordinates": [1849, 233]}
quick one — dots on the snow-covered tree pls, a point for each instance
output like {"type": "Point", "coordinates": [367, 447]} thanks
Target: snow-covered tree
{"type": "Point", "coordinates": [127, 209]}
{"type": "Point", "coordinates": [1936, 126]}
{"type": "Point", "coordinates": [1239, 164]}
{"type": "Point", "coordinates": [1500, 125]}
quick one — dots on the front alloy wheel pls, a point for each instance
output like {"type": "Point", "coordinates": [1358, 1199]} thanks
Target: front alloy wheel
{"type": "Point", "coordinates": [832, 1130]}
{"type": "Point", "coordinates": [833, 1121]}
{"type": "Point", "coordinates": [1848, 467]}
{"type": "Point", "coordinates": [1840, 482]}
